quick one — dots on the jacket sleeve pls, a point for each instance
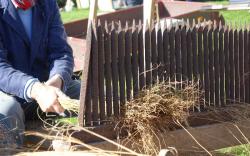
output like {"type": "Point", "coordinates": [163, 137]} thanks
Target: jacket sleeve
{"type": "Point", "coordinates": [60, 53]}
{"type": "Point", "coordinates": [12, 81]}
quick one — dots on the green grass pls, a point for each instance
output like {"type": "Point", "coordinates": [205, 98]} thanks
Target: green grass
{"type": "Point", "coordinates": [224, 2]}
{"type": "Point", "coordinates": [242, 150]}
{"type": "Point", "coordinates": [235, 17]}
{"type": "Point", "coordinates": [76, 14]}
{"type": "Point", "coordinates": [71, 121]}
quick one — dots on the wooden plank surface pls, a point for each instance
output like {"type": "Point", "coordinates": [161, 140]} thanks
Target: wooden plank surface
{"type": "Point", "coordinates": [216, 65]}
{"type": "Point", "coordinates": [135, 59]}
{"type": "Point", "coordinates": [147, 47]}
{"type": "Point", "coordinates": [194, 46]}
{"type": "Point", "coordinates": [206, 65]}
{"type": "Point", "coordinates": [166, 53]}
{"type": "Point", "coordinates": [172, 54]}
{"type": "Point", "coordinates": [101, 63]}
{"type": "Point", "coordinates": [201, 65]}
{"type": "Point", "coordinates": [222, 66]}
{"type": "Point", "coordinates": [92, 11]}
{"type": "Point", "coordinates": [185, 55]}
{"type": "Point", "coordinates": [141, 56]}
{"type": "Point", "coordinates": [236, 65]}
{"type": "Point", "coordinates": [211, 64]}
{"type": "Point", "coordinates": [246, 65]}
{"type": "Point", "coordinates": [108, 73]}
{"type": "Point", "coordinates": [193, 61]}
{"type": "Point", "coordinates": [95, 76]}
{"type": "Point", "coordinates": [231, 64]}
{"type": "Point", "coordinates": [154, 56]}
{"type": "Point", "coordinates": [160, 53]}
{"type": "Point", "coordinates": [241, 66]}
{"type": "Point", "coordinates": [84, 83]}
{"type": "Point", "coordinates": [220, 135]}
{"type": "Point", "coordinates": [88, 103]}
{"type": "Point", "coordinates": [128, 51]}
{"type": "Point", "coordinates": [114, 67]}
{"type": "Point", "coordinates": [64, 153]}
{"type": "Point", "coordinates": [178, 70]}
{"type": "Point", "coordinates": [148, 12]}
{"type": "Point", "coordinates": [190, 56]}
{"type": "Point", "coordinates": [121, 62]}
{"type": "Point", "coordinates": [195, 119]}
{"type": "Point", "coordinates": [227, 67]}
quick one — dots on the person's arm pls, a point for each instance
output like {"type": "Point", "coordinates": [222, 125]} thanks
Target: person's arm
{"type": "Point", "coordinates": [12, 81]}
{"type": "Point", "coordinates": [60, 53]}
{"type": "Point", "coordinates": [47, 97]}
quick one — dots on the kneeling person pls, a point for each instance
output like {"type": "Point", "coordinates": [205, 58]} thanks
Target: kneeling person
{"type": "Point", "coordinates": [36, 63]}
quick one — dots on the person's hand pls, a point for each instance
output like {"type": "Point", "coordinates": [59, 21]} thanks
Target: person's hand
{"type": "Point", "coordinates": [55, 81]}
{"type": "Point", "coordinates": [47, 97]}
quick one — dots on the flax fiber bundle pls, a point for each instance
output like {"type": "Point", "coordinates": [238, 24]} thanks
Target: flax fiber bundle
{"type": "Point", "coordinates": [154, 111]}
{"type": "Point", "coordinates": [70, 104]}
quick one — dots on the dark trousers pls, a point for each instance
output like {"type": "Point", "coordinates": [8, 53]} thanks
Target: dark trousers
{"type": "Point", "coordinates": [133, 2]}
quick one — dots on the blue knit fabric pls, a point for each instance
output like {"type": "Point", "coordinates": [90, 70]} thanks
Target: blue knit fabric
{"type": "Point", "coordinates": [26, 17]}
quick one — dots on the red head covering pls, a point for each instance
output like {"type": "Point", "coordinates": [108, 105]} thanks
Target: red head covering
{"type": "Point", "coordinates": [24, 4]}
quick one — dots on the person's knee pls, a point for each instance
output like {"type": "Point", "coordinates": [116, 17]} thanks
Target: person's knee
{"type": "Point", "coordinates": [11, 111]}
{"type": "Point", "coordinates": [133, 2]}
{"type": "Point", "coordinates": [9, 105]}
{"type": "Point", "coordinates": [11, 119]}
{"type": "Point", "coordinates": [73, 90]}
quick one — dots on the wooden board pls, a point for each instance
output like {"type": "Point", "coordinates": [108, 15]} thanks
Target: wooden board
{"type": "Point", "coordinates": [85, 83]}
{"type": "Point", "coordinates": [64, 153]}
{"type": "Point", "coordinates": [212, 137]}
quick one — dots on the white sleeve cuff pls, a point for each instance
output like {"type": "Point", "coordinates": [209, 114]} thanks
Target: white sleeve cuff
{"type": "Point", "coordinates": [27, 89]}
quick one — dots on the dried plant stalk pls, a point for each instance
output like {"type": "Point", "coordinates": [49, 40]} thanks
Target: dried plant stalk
{"type": "Point", "coordinates": [154, 111]}
{"type": "Point", "coordinates": [70, 104]}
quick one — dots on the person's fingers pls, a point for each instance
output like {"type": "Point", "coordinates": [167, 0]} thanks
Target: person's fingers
{"type": "Point", "coordinates": [60, 94]}
{"type": "Point", "coordinates": [58, 108]}
{"type": "Point", "coordinates": [47, 82]}
{"type": "Point", "coordinates": [49, 110]}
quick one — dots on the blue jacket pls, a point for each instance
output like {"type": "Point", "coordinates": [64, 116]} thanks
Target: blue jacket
{"type": "Point", "coordinates": [47, 54]}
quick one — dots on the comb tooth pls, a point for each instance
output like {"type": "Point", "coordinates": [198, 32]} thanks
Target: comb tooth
{"type": "Point", "coordinates": [193, 24]}
{"type": "Point", "coordinates": [113, 25]}
{"type": "Point", "coordinates": [106, 26]}
{"type": "Point", "coordinates": [99, 23]}
{"type": "Point", "coordinates": [126, 26]}
{"type": "Point", "coordinates": [119, 26]}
